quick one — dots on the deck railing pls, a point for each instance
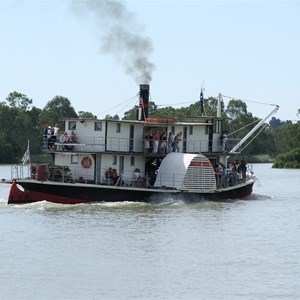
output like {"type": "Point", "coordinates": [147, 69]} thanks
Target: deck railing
{"type": "Point", "coordinates": [126, 145]}
{"type": "Point", "coordinates": [54, 173]}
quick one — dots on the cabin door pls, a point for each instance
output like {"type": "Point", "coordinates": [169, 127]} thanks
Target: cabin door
{"type": "Point", "coordinates": [131, 136]}
{"type": "Point", "coordinates": [184, 139]}
{"type": "Point", "coordinates": [210, 137]}
{"type": "Point", "coordinates": [98, 169]}
{"type": "Point", "coordinates": [121, 164]}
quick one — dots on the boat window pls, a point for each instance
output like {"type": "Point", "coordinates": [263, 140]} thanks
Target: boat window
{"type": "Point", "coordinates": [114, 161]}
{"type": "Point", "coordinates": [74, 159]}
{"type": "Point", "coordinates": [206, 128]}
{"type": "Point", "coordinates": [132, 160]}
{"type": "Point", "coordinates": [118, 127]}
{"type": "Point", "coordinates": [98, 126]}
{"type": "Point", "coordinates": [190, 130]}
{"type": "Point", "coordinates": [72, 125]}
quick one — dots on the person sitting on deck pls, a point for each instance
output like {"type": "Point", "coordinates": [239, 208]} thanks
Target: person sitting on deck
{"type": "Point", "coordinates": [109, 176]}
{"type": "Point", "coordinates": [67, 141]}
{"type": "Point", "coordinates": [109, 173]}
{"type": "Point", "coordinates": [73, 137]}
{"type": "Point", "coordinates": [115, 177]}
{"type": "Point", "coordinates": [137, 179]}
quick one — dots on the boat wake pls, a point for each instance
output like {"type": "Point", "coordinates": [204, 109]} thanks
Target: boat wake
{"type": "Point", "coordinates": [258, 197]}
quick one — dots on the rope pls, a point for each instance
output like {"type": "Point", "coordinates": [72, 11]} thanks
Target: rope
{"type": "Point", "coordinates": [257, 102]}
{"type": "Point", "coordinates": [173, 104]}
{"type": "Point", "coordinates": [254, 137]}
{"type": "Point", "coordinates": [256, 121]}
{"type": "Point", "coordinates": [128, 100]}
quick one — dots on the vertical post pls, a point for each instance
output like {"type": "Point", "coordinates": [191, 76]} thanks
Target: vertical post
{"type": "Point", "coordinates": [219, 109]}
{"type": "Point", "coordinates": [144, 102]}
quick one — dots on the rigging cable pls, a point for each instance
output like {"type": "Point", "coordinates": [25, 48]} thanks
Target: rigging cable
{"type": "Point", "coordinates": [122, 103]}
{"type": "Point", "coordinates": [257, 102]}
{"type": "Point", "coordinates": [263, 127]}
{"type": "Point", "coordinates": [233, 132]}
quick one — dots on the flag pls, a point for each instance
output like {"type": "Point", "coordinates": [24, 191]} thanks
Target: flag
{"type": "Point", "coordinates": [26, 156]}
{"type": "Point", "coordinates": [201, 102]}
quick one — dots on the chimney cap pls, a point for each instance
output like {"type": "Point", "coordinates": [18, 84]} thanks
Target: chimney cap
{"type": "Point", "coordinates": [144, 87]}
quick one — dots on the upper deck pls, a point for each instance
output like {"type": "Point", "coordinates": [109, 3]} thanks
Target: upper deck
{"type": "Point", "coordinates": [199, 134]}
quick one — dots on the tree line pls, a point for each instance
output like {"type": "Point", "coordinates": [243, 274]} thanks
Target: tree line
{"type": "Point", "coordinates": [20, 121]}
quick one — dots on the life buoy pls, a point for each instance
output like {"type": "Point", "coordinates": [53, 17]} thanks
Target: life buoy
{"type": "Point", "coordinates": [86, 162]}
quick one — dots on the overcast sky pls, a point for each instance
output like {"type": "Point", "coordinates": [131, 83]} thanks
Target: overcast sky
{"type": "Point", "coordinates": [97, 55]}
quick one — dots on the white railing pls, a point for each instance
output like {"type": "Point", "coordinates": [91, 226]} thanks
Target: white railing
{"type": "Point", "coordinates": [126, 145]}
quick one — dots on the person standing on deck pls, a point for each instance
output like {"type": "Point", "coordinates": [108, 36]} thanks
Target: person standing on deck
{"type": "Point", "coordinates": [155, 142]}
{"type": "Point", "coordinates": [177, 139]}
{"type": "Point", "coordinates": [224, 141]}
{"type": "Point", "coordinates": [170, 142]}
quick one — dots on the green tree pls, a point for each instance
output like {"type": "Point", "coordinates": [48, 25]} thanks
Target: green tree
{"type": "Point", "coordinates": [86, 115]}
{"type": "Point", "coordinates": [287, 137]}
{"type": "Point", "coordinates": [290, 159]}
{"type": "Point", "coordinates": [56, 111]}
{"type": "Point", "coordinates": [19, 100]}
{"type": "Point", "coordinates": [236, 108]}
{"type": "Point", "coordinates": [14, 135]}
{"type": "Point", "coordinates": [132, 113]}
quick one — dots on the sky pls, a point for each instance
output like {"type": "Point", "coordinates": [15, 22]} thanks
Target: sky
{"type": "Point", "coordinates": [96, 53]}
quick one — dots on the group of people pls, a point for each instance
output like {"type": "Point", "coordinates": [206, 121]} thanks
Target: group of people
{"type": "Point", "coordinates": [113, 175]}
{"type": "Point", "coordinates": [50, 135]}
{"type": "Point", "coordinates": [137, 179]}
{"type": "Point", "coordinates": [53, 135]}
{"type": "Point", "coordinates": [156, 142]}
{"type": "Point", "coordinates": [231, 174]}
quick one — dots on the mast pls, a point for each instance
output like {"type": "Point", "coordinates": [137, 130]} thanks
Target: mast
{"type": "Point", "coordinates": [245, 138]}
{"type": "Point", "coordinates": [219, 107]}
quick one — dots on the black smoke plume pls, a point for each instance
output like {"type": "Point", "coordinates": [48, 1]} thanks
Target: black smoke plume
{"type": "Point", "coordinates": [120, 36]}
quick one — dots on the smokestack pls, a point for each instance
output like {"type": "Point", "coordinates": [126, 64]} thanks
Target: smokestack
{"type": "Point", "coordinates": [144, 102]}
{"type": "Point", "coordinates": [201, 103]}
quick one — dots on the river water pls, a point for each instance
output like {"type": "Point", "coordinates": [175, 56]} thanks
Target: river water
{"type": "Point", "coordinates": [244, 249]}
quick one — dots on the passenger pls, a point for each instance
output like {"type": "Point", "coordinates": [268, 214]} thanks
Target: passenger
{"type": "Point", "coordinates": [224, 141]}
{"type": "Point", "coordinates": [232, 173]}
{"type": "Point", "coordinates": [137, 179]}
{"type": "Point", "coordinates": [147, 141]}
{"type": "Point", "coordinates": [136, 174]}
{"type": "Point", "coordinates": [73, 137]}
{"type": "Point", "coordinates": [151, 140]}
{"type": "Point", "coordinates": [109, 173]}
{"type": "Point", "coordinates": [224, 175]}
{"type": "Point", "coordinates": [176, 141]}
{"type": "Point", "coordinates": [52, 139]}
{"type": "Point", "coordinates": [61, 139]}
{"type": "Point", "coordinates": [56, 131]}
{"type": "Point", "coordinates": [67, 141]}
{"type": "Point", "coordinates": [170, 142]}
{"type": "Point", "coordinates": [115, 176]}
{"type": "Point", "coordinates": [243, 167]}
{"type": "Point", "coordinates": [218, 174]}
{"type": "Point", "coordinates": [156, 142]}
{"type": "Point", "coordinates": [66, 138]}
{"type": "Point", "coordinates": [163, 143]}
{"type": "Point", "coordinates": [45, 136]}
{"type": "Point", "coordinates": [49, 137]}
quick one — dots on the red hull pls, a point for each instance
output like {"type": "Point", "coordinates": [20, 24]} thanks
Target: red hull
{"type": "Point", "coordinates": [16, 196]}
